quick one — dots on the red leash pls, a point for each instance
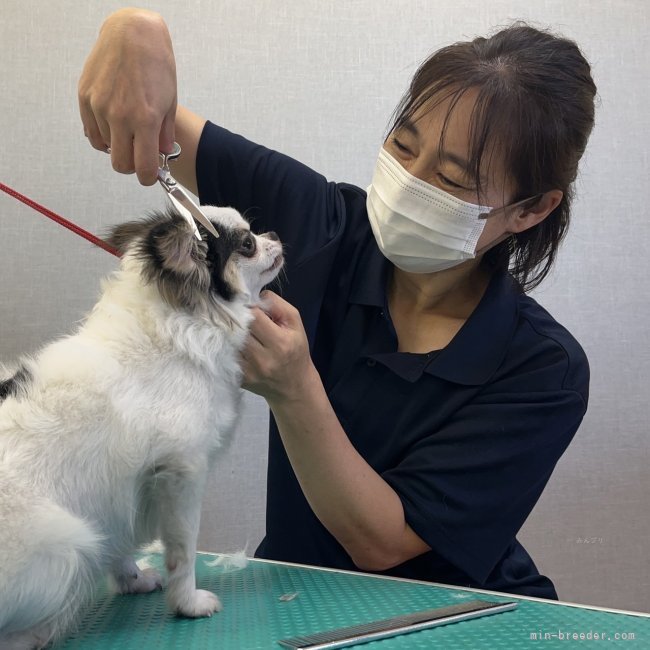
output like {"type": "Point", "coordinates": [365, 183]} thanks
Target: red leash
{"type": "Point", "coordinates": [60, 220]}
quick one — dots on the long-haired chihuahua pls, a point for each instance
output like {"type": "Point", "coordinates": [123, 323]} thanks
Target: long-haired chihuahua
{"type": "Point", "coordinates": [107, 435]}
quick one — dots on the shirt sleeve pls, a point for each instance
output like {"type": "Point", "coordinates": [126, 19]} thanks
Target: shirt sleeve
{"type": "Point", "coordinates": [272, 190]}
{"type": "Point", "coordinates": [468, 487]}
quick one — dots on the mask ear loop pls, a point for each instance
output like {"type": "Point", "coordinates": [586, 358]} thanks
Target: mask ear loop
{"type": "Point", "coordinates": [510, 236]}
{"type": "Point", "coordinates": [525, 203]}
{"type": "Point", "coordinates": [494, 243]}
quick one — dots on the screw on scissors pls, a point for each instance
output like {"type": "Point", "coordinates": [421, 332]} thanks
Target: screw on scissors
{"type": "Point", "coordinates": [179, 197]}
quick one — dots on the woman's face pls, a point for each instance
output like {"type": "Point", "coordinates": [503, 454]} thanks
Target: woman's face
{"type": "Point", "coordinates": [416, 146]}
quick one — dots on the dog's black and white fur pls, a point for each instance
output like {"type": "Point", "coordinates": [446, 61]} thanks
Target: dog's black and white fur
{"type": "Point", "coordinates": [106, 436]}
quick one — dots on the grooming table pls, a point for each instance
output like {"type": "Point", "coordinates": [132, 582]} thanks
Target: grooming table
{"type": "Point", "coordinates": [269, 601]}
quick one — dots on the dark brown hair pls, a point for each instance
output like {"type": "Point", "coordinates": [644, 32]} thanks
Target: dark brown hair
{"type": "Point", "coordinates": [534, 108]}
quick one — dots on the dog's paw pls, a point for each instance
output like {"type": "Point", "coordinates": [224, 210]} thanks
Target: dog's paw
{"type": "Point", "coordinates": [199, 603]}
{"type": "Point", "coordinates": [29, 640]}
{"type": "Point", "coordinates": [139, 581]}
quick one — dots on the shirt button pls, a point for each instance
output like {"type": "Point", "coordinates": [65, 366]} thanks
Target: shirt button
{"type": "Point", "coordinates": [371, 363]}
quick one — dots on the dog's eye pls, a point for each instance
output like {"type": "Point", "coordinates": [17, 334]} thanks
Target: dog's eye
{"type": "Point", "coordinates": [247, 246]}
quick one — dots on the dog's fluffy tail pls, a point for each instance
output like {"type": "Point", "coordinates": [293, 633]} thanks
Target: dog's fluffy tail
{"type": "Point", "coordinates": [49, 564]}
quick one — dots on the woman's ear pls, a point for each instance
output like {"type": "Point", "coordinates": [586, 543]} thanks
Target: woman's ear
{"type": "Point", "coordinates": [529, 217]}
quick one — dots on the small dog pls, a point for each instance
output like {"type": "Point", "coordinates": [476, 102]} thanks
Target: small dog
{"type": "Point", "coordinates": [107, 435]}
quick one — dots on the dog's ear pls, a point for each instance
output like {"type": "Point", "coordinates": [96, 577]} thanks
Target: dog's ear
{"type": "Point", "coordinates": [173, 245]}
{"type": "Point", "coordinates": [170, 255]}
{"type": "Point", "coordinates": [163, 238]}
{"type": "Point", "coordinates": [176, 260]}
{"type": "Point", "coordinates": [122, 235]}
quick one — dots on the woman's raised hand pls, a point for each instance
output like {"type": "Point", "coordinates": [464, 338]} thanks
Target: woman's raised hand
{"type": "Point", "coordinates": [127, 92]}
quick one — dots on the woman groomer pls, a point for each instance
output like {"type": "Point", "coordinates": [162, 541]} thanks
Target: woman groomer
{"type": "Point", "coordinates": [420, 398]}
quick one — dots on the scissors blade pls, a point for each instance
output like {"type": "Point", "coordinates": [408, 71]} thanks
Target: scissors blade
{"type": "Point", "coordinates": [186, 214]}
{"type": "Point", "coordinates": [179, 197]}
{"type": "Point", "coordinates": [182, 202]}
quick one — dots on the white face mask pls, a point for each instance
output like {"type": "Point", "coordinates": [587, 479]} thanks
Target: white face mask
{"type": "Point", "coordinates": [418, 227]}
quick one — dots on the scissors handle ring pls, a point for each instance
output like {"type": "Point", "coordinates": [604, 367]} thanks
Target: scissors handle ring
{"type": "Point", "coordinates": [172, 155]}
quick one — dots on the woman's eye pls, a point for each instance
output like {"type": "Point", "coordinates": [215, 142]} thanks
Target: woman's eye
{"type": "Point", "coordinates": [449, 183]}
{"type": "Point", "coordinates": [400, 146]}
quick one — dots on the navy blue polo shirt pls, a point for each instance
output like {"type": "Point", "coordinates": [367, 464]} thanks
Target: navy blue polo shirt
{"type": "Point", "coordinates": [466, 436]}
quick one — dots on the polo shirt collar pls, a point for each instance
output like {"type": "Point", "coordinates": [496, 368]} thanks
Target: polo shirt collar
{"type": "Point", "coordinates": [479, 347]}
{"type": "Point", "coordinates": [477, 351]}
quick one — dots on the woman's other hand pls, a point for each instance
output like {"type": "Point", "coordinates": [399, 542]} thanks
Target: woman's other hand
{"type": "Point", "coordinates": [276, 360]}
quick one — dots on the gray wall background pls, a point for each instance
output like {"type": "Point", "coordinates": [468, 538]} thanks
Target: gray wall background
{"type": "Point", "coordinates": [319, 80]}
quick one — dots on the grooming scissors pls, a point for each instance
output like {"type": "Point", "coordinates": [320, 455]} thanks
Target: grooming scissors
{"type": "Point", "coordinates": [180, 198]}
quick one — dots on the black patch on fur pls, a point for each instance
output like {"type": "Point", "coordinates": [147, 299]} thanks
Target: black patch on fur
{"type": "Point", "coordinates": [219, 252]}
{"type": "Point", "coordinates": [17, 385]}
{"type": "Point", "coordinates": [122, 235]}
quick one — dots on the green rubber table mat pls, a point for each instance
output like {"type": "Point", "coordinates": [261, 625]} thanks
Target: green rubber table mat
{"type": "Point", "coordinates": [255, 617]}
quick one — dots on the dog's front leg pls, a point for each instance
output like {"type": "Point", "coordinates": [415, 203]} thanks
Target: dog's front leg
{"type": "Point", "coordinates": [180, 516]}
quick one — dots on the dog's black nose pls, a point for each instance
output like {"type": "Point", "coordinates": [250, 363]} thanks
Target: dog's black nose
{"type": "Point", "coordinates": [273, 236]}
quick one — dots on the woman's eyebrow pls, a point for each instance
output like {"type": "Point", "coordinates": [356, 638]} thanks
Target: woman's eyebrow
{"type": "Point", "coordinates": [454, 158]}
